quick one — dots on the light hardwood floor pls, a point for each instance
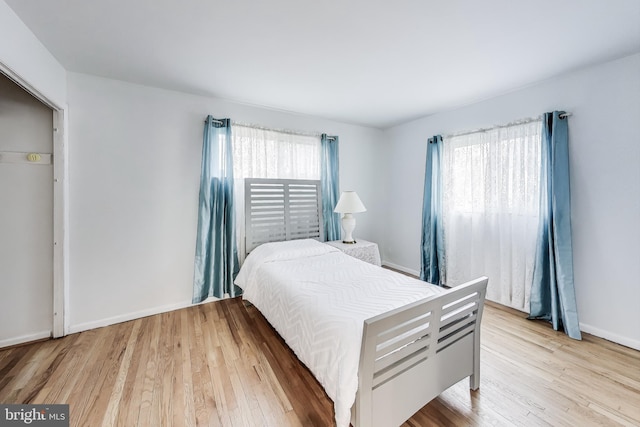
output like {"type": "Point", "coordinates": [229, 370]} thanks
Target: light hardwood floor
{"type": "Point", "coordinates": [222, 364]}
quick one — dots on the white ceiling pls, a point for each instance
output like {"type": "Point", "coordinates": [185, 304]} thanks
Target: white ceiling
{"type": "Point", "coordinates": [371, 62]}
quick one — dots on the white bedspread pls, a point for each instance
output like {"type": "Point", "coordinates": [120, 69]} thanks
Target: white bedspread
{"type": "Point", "coordinates": [317, 298]}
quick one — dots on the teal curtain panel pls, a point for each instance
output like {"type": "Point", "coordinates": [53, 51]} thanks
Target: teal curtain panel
{"type": "Point", "coordinates": [432, 260]}
{"type": "Point", "coordinates": [216, 260]}
{"type": "Point", "coordinates": [329, 181]}
{"type": "Point", "coordinates": [552, 291]}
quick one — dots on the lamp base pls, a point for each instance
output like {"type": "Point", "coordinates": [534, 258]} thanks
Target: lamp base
{"type": "Point", "coordinates": [349, 243]}
{"type": "Point", "coordinates": [348, 225]}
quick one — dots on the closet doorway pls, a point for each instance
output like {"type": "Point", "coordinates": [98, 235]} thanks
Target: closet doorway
{"type": "Point", "coordinates": [26, 216]}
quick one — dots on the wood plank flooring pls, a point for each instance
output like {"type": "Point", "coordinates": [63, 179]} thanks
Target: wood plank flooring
{"type": "Point", "coordinates": [221, 364]}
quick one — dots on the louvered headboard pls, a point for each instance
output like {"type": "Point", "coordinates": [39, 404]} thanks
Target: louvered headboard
{"type": "Point", "coordinates": [281, 209]}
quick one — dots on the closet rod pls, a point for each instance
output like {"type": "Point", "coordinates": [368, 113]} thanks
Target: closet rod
{"type": "Point", "coordinates": [33, 158]}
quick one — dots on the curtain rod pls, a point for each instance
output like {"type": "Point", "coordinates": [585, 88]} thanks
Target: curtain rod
{"type": "Point", "coordinates": [517, 122]}
{"type": "Point", "coordinates": [215, 121]}
{"type": "Point", "coordinates": [287, 131]}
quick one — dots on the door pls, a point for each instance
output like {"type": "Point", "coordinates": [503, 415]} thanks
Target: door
{"type": "Point", "coordinates": [26, 216]}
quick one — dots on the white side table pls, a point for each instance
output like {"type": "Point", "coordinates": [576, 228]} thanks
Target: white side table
{"type": "Point", "coordinates": [363, 250]}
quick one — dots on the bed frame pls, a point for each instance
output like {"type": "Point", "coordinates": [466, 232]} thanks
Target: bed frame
{"type": "Point", "coordinates": [412, 354]}
{"type": "Point", "coordinates": [408, 355]}
{"type": "Point", "coordinates": [281, 209]}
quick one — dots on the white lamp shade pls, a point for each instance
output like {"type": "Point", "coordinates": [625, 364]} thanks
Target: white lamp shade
{"type": "Point", "coordinates": [349, 203]}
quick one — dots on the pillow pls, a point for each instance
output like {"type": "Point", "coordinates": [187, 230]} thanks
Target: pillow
{"type": "Point", "coordinates": [280, 251]}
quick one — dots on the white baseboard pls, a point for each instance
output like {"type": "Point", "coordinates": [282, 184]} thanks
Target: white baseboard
{"type": "Point", "coordinates": [25, 338]}
{"type": "Point", "coordinates": [80, 327]}
{"type": "Point", "coordinates": [610, 336]}
{"type": "Point", "coordinates": [401, 268]}
{"type": "Point", "coordinates": [619, 339]}
{"type": "Point", "coordinates": [628, 342]}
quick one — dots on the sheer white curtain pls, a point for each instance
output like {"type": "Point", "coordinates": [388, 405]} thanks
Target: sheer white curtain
{"type": "Point", "coordinates": [263, 153]}
{"type": "Point", "coordinates": [491, 197]}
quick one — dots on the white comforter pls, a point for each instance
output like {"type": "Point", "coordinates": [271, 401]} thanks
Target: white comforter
{"type": "Point", "coordinates": [317, 298]}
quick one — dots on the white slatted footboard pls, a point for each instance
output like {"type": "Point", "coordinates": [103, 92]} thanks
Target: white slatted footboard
{"type": "Point", "coordinates": [412, 354]}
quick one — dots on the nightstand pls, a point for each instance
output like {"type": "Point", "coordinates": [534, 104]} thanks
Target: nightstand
{"type": "Point", "coordinates": [363, 250]}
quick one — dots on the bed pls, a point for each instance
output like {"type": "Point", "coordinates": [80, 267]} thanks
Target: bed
{"type": "Point", "coordinates": [382, 344]}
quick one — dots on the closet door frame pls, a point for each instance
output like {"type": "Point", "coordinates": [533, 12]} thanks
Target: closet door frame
{"type": "Point", "coordinates": [60, 204]}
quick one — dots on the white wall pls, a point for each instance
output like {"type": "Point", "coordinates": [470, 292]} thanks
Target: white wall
{"type": "Point", "coordinates": [135, 155]}
{"type": "Point", "coordinates": [604, 140]}
{"type": "Point", "coordinates": [26, 61]}
{"type": "Point", "coordinates": [134, 173]}
{"type": "Point", "coordinates": [22, 54]}
{"type": "Point", "coordinates": [26, 219]}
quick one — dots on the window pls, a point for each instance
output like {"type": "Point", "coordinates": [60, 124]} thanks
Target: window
{"type": "Point", "coordinates": [490, 206]}
{"type": "Point", "coordinates": [264, 153]}
{"type": "Point", "coordinates": [260, 153]}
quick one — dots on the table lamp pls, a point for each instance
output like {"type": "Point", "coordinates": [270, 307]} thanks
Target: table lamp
{"type": "Point", "coordinates": [349, 204]}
